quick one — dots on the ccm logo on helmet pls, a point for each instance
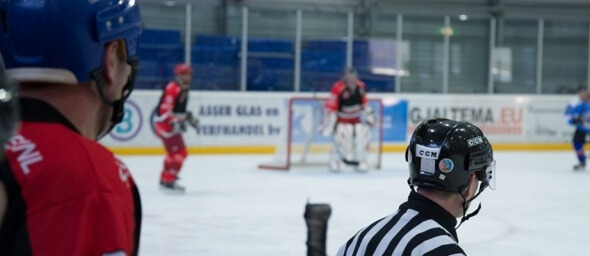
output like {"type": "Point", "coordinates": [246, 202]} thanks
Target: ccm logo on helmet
{"type": "Point", "coordinates": [426, 152]}
{"type": "Point", "coordinates": [474, 141]}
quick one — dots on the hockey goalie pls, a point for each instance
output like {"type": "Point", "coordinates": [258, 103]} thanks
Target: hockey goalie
{"type": "Point", "coordinates": [348, 119]}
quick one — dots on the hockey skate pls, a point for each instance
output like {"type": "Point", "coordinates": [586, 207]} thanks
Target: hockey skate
{"type": "Point", "coordinates": [580, 167]}
{"type": "Point", "coordinates": [335, 165]}
{"type": "Point", "coordinates": [363, 167]}
{"type": "Point", "coordinates": [171, 187]}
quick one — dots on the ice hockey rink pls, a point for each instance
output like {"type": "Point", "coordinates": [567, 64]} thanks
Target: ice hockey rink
{"type": "Point", "coordinates": [540, 206]}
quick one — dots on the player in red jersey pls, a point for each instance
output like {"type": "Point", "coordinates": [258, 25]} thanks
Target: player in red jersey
{"type": "Point", "coordinates": [342, 120]}
{"type": "Point", "coordinates": [170, 123]}
{"type": "Point", "coordinates": [75, 62]}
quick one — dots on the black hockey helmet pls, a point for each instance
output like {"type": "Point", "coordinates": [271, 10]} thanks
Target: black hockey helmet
{"type": "Point", "coordinates": [443, 153]}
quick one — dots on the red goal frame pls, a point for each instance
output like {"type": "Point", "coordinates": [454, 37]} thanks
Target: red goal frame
{"type": "Point", "coordinates": [287, 164]}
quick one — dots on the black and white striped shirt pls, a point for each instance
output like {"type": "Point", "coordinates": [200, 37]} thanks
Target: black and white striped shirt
{"type": "Point", "coordinates": [419, 227]}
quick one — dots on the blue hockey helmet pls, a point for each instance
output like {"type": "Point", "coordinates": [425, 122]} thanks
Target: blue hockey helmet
{"type": "Point", "coordinates": [64, 41]}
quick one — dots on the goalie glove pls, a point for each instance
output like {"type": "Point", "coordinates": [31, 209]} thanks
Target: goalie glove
{"type": "Point", "coordinates": [370, 117]}
{"type": "Point", "coordinates": [192, 120]}
{"type": "Point", "coordinates": [328, 124]}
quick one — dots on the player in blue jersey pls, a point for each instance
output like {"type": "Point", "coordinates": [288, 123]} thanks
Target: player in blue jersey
{"type": "Point", "coordinates": [578, 113]}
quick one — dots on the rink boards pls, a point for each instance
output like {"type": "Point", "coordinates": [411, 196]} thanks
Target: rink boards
{"type": "Point", "coordinates": [245, 122]}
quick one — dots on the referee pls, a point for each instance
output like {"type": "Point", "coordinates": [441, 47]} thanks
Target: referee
{"type": "Point", "coordinates": [447, 160]}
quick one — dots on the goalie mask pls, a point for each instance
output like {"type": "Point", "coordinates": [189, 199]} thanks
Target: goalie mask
{"type": "Point", "coordinates": [350, 76]}
{"type": "Point", "coordinates": [443, 153]}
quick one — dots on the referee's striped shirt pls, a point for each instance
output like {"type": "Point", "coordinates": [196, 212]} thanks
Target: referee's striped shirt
{"type": "Point", "coordinates": [419, 227]}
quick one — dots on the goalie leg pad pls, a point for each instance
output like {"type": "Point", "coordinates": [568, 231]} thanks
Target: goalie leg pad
{"type": "Point", "coordinates": [362, 141]}
{"type": "Point", "coordinates": [343, 141]}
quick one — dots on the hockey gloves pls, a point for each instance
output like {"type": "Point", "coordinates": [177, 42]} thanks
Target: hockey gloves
{"type": "Point", "coordinates": [370, 117]}
{"type": "Point", "coordinates": [328, 123]}
{"type": "Point", "coordinates": [179, 126]}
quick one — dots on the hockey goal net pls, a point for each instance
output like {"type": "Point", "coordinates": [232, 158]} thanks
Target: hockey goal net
{"type": "Point", "coordinates": [302, 145]}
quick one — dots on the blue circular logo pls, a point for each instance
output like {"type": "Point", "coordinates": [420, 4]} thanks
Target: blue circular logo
{"type": "Point", "coordinates": [131, 124]}
{"type": "Point", "coordinates": [446, 165]}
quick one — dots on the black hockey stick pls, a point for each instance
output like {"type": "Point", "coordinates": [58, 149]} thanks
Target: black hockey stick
{"type": "Point", "coordinates": [350, 162]}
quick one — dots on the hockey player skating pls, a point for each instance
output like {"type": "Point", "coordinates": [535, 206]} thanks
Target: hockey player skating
{"type": "Point", "coordinates": [171, 121]}
{"type": "Point", "coordinates": [75, 62]}
{"type": "Point", "coordinates": [578, 113]}
{"type": "Point", "coordinates": [342, 120]}
{"type": "Point", "coordinates": [451, 163]}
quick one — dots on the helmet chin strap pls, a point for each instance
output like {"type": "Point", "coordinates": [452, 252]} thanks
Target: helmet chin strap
{"type": "Point", "coordinates": [466, 202]}
{"type": "Point", "coordinates": [118, 105]}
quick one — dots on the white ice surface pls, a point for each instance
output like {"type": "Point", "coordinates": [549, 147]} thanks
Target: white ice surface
{"type": "Point", "coordinates": [540, 206]}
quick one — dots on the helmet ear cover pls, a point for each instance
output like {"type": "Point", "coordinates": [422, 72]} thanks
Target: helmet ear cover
{"type": "Point", "coordinates": [479, 160]}
{"type": "Point", "coordinates": [479, 163]}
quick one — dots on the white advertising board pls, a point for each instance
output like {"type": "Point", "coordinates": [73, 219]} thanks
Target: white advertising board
{"type": "Point", "coordinates": [243, 119]}
{"type": "Point", "coordinates": [503, 119]}
{"type": "Point", "coordinates": [225, 119]}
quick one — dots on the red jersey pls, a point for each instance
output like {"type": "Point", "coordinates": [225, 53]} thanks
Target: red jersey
{"type": "Point", "coordinates": [172, 103]}
{"type": "Point", "coordinates": [67, 195]}
{"type": "Point", "coordinates": [347, 103]}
